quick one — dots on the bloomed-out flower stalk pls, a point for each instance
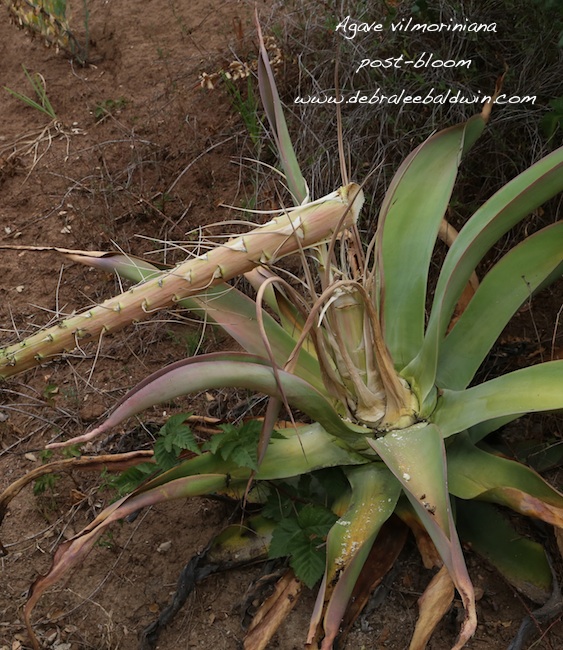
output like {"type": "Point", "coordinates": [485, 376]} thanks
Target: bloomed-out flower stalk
{"type": "Point", "coordinates": [285, 234]}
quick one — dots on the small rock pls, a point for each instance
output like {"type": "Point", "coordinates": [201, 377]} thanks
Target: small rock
{"type": "Point", "coordinates": [164, 547]}
{"type": "Point", "coordinates": [31, 457]}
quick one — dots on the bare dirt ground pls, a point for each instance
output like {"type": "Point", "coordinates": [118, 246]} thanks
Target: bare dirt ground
{"type": "Point", "coordinates": [138, 156]}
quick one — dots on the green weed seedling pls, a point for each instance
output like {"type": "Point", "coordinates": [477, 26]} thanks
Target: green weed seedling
{"type": "Point", "coordinates": [39, 86]}
{"type": "Point", "coordinates": [108, 107]}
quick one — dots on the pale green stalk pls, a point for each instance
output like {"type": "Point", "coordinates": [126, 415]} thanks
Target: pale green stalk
{"type": "Point", "coordinates": [283, 235]}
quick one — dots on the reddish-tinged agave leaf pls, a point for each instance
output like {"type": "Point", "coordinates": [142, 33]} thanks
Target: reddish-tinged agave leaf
{"type": "Point", "coordinates": [222, 304]}
{"type": "Point", "coordinates": [476, 474]}
{"type": "Point", "coordinates": [223, 370]}
{"type": "Point", "coordinates": [274, 111]}
{"type": "Point", "coordinates": [448, 235]}
{"type": "Point", "coordinates": [417, 458]}
{"type": "Point", "coordinates": [110, 462]}
{"type": "Point", "coordinates": [71, 252]}
{"type": "Point", "coordinates": [433, 606]}
{"type": "Point", "coordinates": [69, 554]}
{"type": "Point", "coordinates": [273, 612]}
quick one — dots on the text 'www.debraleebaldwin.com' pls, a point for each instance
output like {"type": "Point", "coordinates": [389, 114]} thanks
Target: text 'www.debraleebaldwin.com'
{"type": "Point", "coordinates": [431, 97]}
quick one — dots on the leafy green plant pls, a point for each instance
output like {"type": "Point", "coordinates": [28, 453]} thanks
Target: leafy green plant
{"type": "Point", "coordinates": [108, 107]}
{"type": "Point", "coordinates": [106, 541]}
{"type": "Point", "coordinates": [247, 107]}
{"type": "Point", "coordinates": [45, 483]}
{"type": "Point", "coordinates": [553, 120]}
{"type": "Point", "coordinates": [174, 438]}
{"type": "Point", "coordinates": [39, 86]}
{"type": "Point", "coordinates": [394, 412]}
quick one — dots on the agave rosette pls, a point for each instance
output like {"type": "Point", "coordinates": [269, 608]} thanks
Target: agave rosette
{"type": "Point", "coordinates": [387, 390]}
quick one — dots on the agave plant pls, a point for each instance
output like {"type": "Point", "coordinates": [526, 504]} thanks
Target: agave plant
{"type": "Point", "coordinates": [385, 391]}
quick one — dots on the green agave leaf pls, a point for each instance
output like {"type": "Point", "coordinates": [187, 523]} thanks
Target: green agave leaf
{"type": "Point", "coordinates": [501, 293]}
{"type": "Point", "coordinates": [521, 561]}
{"type": "Point", "coordinates": [482, 430]}
{"type": "Point", "coordinates": [273, 108]}
{"type": "Point", "coordinates": [476, 474]}
{"type": "Point", "coordinates": [537, 388]}
{"type": "Point", "coordinates": [223, 304]}
{"type": "Point", "coordinates": [417, 458]}
{"type": "Point", "coordinates": [228, 370]}
{"type": "Point", "coordinates": [374, 494]}
{"type": "Point", "coordinates": [305, 449]}
{"type": "Point", "coordinates": [415, 203]}
{"type": "Point", "coordinates": [501, 212]}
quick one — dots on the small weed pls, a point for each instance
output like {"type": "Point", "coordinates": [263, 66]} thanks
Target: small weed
{"type": "Point", "coordinates": [72, 452]}
{"type": "Point", "coordinates": [39, 86]}
{"type": "Point", "coordinates": [173, 438]}
{"type": "Point", "coordinates": [70, 394]}
{"type": "Point", "coordinates": [161, 202]}
{"type": "Point", "coordinates": [45, 484]}
{"type": "Point", "coordinates": [190, 340]}
{"type": "Point", "coordinates": [553, 121]}
{"type": "Point", "coordinates": [237, 444]}
{"type": "Point", "coordinates": [247, 107]}
{"type": "Point", "coordinates": [107, 541]}
{"type": "Point", "coordinates": [108, 107]}
{"type": "Point", "coordinates": [49, 393]}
